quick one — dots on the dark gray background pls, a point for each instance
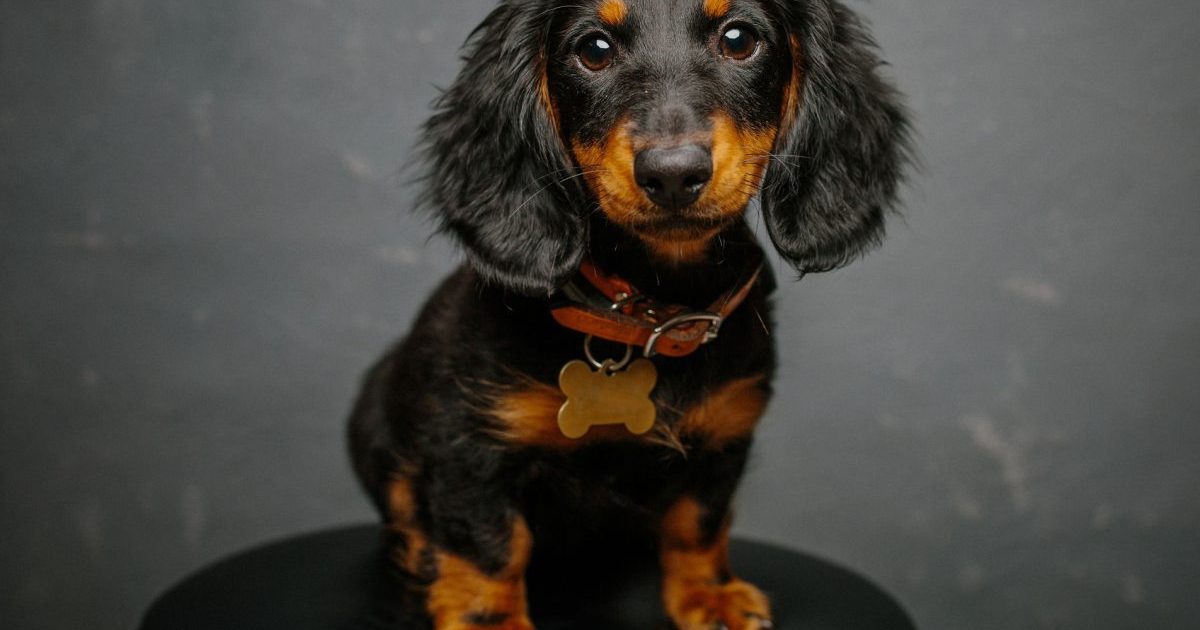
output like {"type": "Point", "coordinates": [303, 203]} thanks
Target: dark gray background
{"type": "Point", "coordinates": [203, 243]}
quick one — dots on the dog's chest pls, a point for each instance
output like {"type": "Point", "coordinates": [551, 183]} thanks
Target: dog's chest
{"type": "Point", "coordinates": [537, 413]}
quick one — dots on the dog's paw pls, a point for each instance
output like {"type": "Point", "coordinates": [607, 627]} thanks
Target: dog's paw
{"type": "Point", "coordinates": [736, 605]}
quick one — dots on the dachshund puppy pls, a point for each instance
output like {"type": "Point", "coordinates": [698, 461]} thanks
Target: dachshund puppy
{"type": "Point", "coordinates": [591, 378]}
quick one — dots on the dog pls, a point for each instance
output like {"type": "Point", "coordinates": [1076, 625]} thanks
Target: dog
{"type": "Point", "coordinates": [591, 377]}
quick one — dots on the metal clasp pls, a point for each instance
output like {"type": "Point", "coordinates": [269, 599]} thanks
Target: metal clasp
{"type": "Point", "coordinates": [609, 366]}
{"type": "Point", "coordinates": [625, 299]}
{"type": "Point", "coordinates": [714, 328]}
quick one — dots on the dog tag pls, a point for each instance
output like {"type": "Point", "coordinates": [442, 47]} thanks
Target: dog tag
{"type": "Point", "coordinates": [606, 396]}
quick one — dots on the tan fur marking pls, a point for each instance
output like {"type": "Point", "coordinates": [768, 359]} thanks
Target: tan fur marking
{"type": "Point", "coordinates": [528, 416]}
{"type": "Point", "coordinates": [681, 525]}
{"type": "Point", "coordinates": [792, 95]}
{"type": "Point", "coordinates": [679, 252]}
{"type": "Point", "coordinates": [729, 413]}
{"type": "Point", "coordinates": [697, 589]}
{"type": "Point", "coordinates": [716, 8]}
{"type": "Point", "coordinates": [613, 12]}
{"type": "Point", "coordinates": [683, 559]}
{"type": "Point", "coordinates": [462, 589]}
{"type": "Point", "coordinates": [608, 169]}
{"type": "Point", "coordinates": [740, 158]}
{"type": "Point", "coordinates": [402, 519]}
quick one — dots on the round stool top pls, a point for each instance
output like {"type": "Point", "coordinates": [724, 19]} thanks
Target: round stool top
{"type": "Point", "coordinates": [338, 579]}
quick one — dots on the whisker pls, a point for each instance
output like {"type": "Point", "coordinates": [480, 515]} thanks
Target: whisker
{"type": "Point", "coordinates": [554, 173]}
{"type": "Point", "coordinates": [531, 197]}
{"type": "Point", "coordinates": [778, 159]}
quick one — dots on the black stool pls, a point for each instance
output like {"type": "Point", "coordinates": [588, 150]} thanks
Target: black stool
{"type": "Point", "coordinates": [338, 580]}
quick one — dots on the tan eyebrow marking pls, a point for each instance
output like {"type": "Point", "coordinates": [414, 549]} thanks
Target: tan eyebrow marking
{"type": "Point", "coordinates": [613, 12]}
{"type": "Point", "coordinates": [716, 8]}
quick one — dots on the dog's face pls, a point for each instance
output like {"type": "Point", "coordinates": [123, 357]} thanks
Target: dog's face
{"type": "Point", "coordinates": [670, 110]}
{"type": "Point", "coordinates": [669, 117]}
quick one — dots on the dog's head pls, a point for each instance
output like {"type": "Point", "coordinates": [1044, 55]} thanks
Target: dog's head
{"type": "Point", "coordinates": [668, 117]}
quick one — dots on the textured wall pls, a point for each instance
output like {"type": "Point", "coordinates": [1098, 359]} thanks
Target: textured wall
{"type": "Point", "coordinates": [203, 241]}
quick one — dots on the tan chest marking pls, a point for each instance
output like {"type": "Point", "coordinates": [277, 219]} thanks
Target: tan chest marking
{"type": "Point", "coordinates": [729, 413]}
{"type": "Point", "coordinates": [528, 416]}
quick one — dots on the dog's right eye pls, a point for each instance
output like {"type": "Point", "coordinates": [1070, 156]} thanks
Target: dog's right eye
{"type": "Point", "coordinates": [596, 53]}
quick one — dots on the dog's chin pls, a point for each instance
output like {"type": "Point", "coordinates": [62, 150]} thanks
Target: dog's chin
{"type": "Point", "coordinates": [681, 224]}
{"type": "Point", "coordinates": [674, 235]}
{"type": "Point", "coordinates": [677, 236]}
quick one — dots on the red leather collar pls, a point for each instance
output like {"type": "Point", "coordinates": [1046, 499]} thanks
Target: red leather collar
{"type": "Point", "coordinates": [632, 318]}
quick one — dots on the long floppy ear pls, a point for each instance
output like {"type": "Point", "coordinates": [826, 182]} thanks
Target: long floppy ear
{"type": "Point", "coordinates": [844, 146]}
{"type": "Point", "coordinates": [495, 161]}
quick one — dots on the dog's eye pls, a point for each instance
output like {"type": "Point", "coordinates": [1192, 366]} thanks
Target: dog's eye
{"type": "Point", "coordinates": [596, 53]}
{"type": "Point", "coordinates": [738, 42]}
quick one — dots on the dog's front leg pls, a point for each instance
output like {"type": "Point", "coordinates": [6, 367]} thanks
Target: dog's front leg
{"type": "Point", "coordinates": [466, 596]}
{"type": "Point", "coordinates": [699, 591]}
{"type": "Point", "coordinates": [468, 552]}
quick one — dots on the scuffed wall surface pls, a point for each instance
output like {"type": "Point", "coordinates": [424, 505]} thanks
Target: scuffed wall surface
{"type": "Point", "coordinates": [204, 240]}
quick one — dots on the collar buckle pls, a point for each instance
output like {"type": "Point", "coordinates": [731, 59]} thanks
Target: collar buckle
{"type": "Point", "coordinates": [623, 299]}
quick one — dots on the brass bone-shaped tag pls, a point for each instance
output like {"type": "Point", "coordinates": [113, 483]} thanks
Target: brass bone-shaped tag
{"type": "Point", "coordinates": [606, 397]}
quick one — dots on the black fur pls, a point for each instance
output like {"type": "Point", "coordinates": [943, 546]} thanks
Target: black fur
{"type": "Point", "coordinates": [496, 165]}
{"type": "Point", "coordinates": [847, 149]}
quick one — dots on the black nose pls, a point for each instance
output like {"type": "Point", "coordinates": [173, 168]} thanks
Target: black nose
{"type": "Point", "coordinates": [673, 177]}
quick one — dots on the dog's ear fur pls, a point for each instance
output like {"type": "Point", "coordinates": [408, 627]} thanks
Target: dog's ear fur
{"type": "Point", "coordinates": [495, 160]}
{"type": "Point", "coordinates": [844, 143]}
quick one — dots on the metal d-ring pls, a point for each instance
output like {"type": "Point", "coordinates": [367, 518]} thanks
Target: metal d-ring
{"type": "Point", "coordinates": [714, 327]}
{"type": "Point", "coordinates": [608, 365]}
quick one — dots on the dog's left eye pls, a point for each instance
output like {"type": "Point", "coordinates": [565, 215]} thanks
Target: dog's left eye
{"type": "Point", "coordinates": [738, 42]}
